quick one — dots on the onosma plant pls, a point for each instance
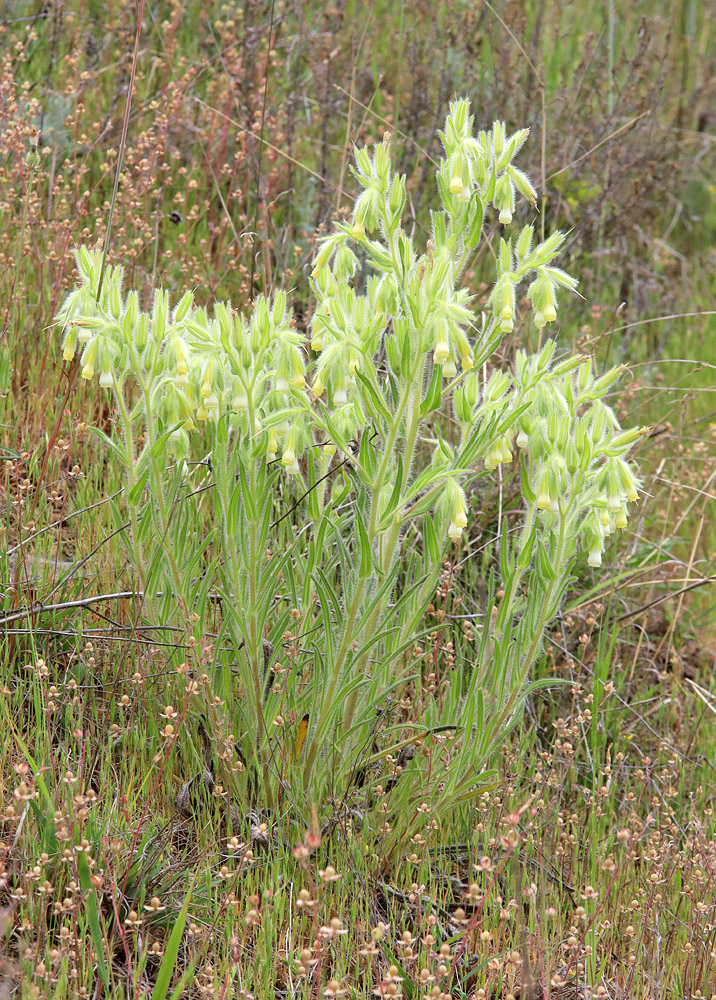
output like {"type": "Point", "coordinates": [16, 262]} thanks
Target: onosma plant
{"type": "Point", "coordinates": [337, 488]}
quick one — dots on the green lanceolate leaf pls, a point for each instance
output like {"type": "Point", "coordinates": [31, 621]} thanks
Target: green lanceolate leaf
{"type": "Point", "coordinates": [376, 399]}
{"type": "Point", "coordinates": [364, 547]}
{"type": "Point", "coordinates": [394, 501]}
{"type": "Point", "coordinates": [159, 448]}
{"type": "Point", "coordinates": [433, 396]}
{"type": "Point", "coordinates": [367, 458]}
{"type": "Point", "coordinates": [432, 545]}
{"type": "Point", "coordinates": [135, 494]}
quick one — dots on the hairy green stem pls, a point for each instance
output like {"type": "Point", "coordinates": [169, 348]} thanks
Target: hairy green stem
{"type": "Point", "coordinates": [335, 675]}
{"type": "Point", "coordinates": [133, 516]}
{"type": "Point", "coordinates": [412, 399]}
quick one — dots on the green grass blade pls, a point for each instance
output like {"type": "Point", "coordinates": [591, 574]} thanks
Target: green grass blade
{"type": "Point", "coordinates": [93, 917]}
{"type": "Point", "coordinates": [185, 978]}
{"type": "Point", "coordinates": [164, 976]}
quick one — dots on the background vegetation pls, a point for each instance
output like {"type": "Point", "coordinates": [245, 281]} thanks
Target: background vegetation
{"type": "Point", "coordinates": [592, 862]}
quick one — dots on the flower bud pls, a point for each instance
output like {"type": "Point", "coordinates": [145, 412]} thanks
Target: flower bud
{"type": "Point", "coordinates": [261, 327]}
{"type": "Point", "coordinates": [278, 312]}
{"type": "Point", "coordinates": [183, 306]}
{"type": "Point", "coordinates": [522, 183]}
{"type": "Point", "coordinates": [457, 509]}
{"type": "Point", "coordinates": [593, 535]}
{"type": "Point", "coordinates": [160, 308]}
{"type": "Point", "coordinates": [504, 199]}
{"type": "Point", "coordinates": [85, 333]}
{"type": "Point", "coordinates": [115, 300]}
{"type": "Point", "coordinates": [524, 243]}
{"type": "Point", "coordinates": [86, 261]}
{"type": "Point", "coordinates": [627, 480]}
{"type": "Point", "coordinates": [544, 253]}
{"type": "Point", "coordinates": [544, 494]}
{"type": "Point", "coordinates": [346, 262]}
{"type": "Point", "coordinates": [141, 332]}
{"type": "Point", "coordinates": [397, 197]}
{"type": "Point", "coordinates": [212, 406]}
{"type": "Point", "coordinates": [498, 137]}
{"type": "Point", "coordinates": [69, 344]}
{"type": "Point", "coordinates": [584, 376]}
{"type": "Point", "coordinates": [131, 311]}
{"type": "Point", "coordinates": [606, 380]}
{"type": "Point", "coordinates": [89, 358]}
{"type": "Point", "coordinates": [323, 256]}
{"type": "Point", "coordinates": [598, 416]}
{"type": "Point", "coordinates": [338, 315]}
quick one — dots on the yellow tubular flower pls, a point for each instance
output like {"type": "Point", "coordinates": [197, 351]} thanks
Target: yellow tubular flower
{"type": "Point", "coordinates": [442, 351]}
{"type": "Point", "coordinates": [455, 531]}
